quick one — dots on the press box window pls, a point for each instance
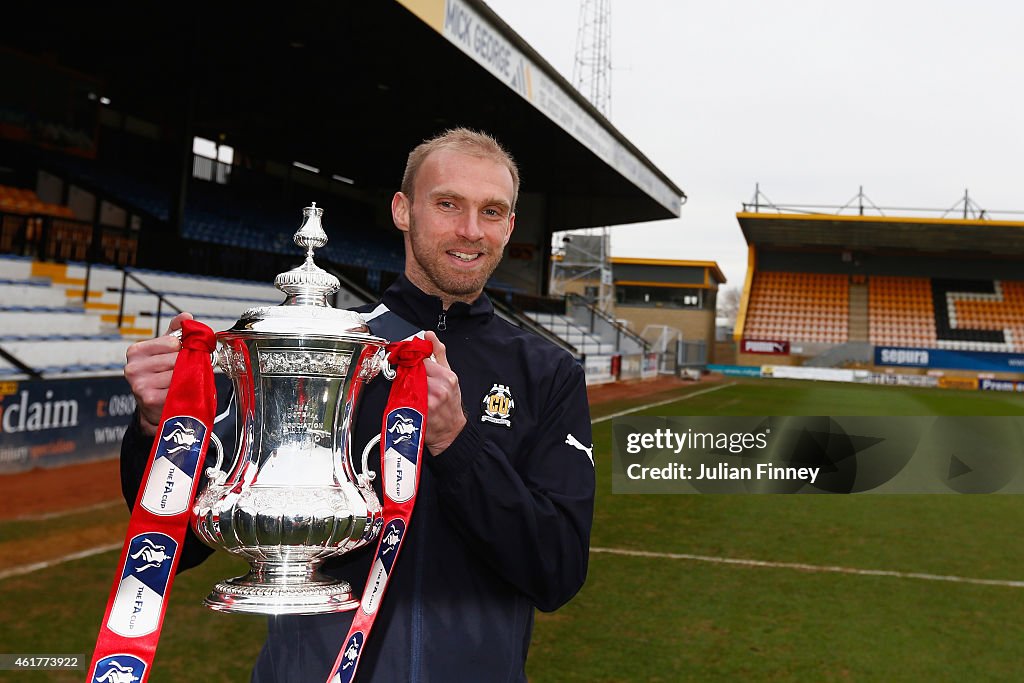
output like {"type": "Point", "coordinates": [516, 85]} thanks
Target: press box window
{"type": "Point", "coordinates": [211, 161]}
{"type": "Point", "coordinates": [666, 297]}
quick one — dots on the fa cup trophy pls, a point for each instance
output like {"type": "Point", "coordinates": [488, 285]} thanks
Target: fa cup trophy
{"type": "Point", "coordinates": [292, 497]}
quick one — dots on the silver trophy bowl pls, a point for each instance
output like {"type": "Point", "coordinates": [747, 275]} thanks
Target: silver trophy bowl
{"type": "Point", "coordinates": [291, 497]}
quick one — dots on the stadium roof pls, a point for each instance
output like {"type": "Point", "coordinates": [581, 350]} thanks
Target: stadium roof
{"type": "Point", "coordinates": [711, 269]}
{"type": "Point", "coordinates": [350, 87]}
{"type": "Point", "coordinates": [946, 236]}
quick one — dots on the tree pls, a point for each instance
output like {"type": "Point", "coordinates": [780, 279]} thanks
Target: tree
{"type": "Point", "coordinates": [729, 304]}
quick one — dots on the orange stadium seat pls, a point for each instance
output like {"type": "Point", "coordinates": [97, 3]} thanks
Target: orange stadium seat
{"type": "Point", "coordinates": [800, 307]}
{"type": "Point", "coordinates": [20, 200]}
{"type": "Point", "coordinates": [900, 311]}
{"type": "Point", "coordinates": [1002, 311]}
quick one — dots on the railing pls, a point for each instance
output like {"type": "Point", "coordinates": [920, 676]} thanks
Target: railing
{"type": "Point", "coordinates": [519, 319]}
{"type": "Point", "coordinates": [965, 208]}
{"type": "Point", "coordinates": [564, 327]}
{"type": "Point", "coordinates": [592, 317]}
{"type": "Point", "coordinates": [16, 362]}
{"type": "Point", "coordinates": [161, 300]}
{"type": "Point", "coordinates": [539, 304]}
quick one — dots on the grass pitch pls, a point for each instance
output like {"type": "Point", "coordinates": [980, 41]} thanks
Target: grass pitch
{"type": "Point", "coordinates": [650, 619]}
{"type": "Point", "coordinates": [647, 619]}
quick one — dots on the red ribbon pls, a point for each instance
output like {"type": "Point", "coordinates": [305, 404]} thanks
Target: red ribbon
{"type": "Point", "coordinates": [138, 599]}
{"type": "Point", "coordinates": [401, 454]}
{"type": "Point", "coordinates": [142, 585]}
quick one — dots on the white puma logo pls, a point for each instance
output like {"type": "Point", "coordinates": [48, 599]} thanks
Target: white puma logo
{"type": "Point", "coordinates": [575, 443]}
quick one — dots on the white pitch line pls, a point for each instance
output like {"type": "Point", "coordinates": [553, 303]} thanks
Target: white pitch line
{"type": "Point", "coordinates": [810, 567]}
{"type": "Point", "coordinates": [36, 566]}
{"type": "Point", "coordinates": [831, 569]}
{"type": "Point", "coordinates": [637, 409]}
{"type": "Point", "coordinates": [64, 513]}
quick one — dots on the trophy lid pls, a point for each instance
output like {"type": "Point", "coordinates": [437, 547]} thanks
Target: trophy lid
{"type": "Point", "coordinates": [305, 309]}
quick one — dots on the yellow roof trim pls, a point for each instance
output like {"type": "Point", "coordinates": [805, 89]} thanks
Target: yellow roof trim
{"type": "Point", "coordinates": [741, 315]}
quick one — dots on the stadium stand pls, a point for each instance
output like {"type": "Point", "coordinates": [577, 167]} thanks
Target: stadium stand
{"type": "Point", "coordinates": [134, 189]}
{"type": "Point", "coordinates": [836, 289]}
{"type": "Point", "coordinates": [915, 312]}
{"type": "Point", "coordinates": [211, 184]}
{"type": "Point", "coordinates": [239, 216]}
{"type": "Point", "coordinates": [572, 333]}
{"type": "Point", "coordinates": [901, 312]}
{"type": "Point", "coordinates": [982, 315]}
{"type": "Point", "coordinates": [972, 315]}
{"type": "Point", "coordinates": [23, 201]}
{"type": "Point", "coordinates": [50, 324]}
{"type": "Point", "coordinates": [807, 307]}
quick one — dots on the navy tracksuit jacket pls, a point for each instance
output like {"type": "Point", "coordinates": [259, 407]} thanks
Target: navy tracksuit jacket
{"type": "Point", "coordinates": [501, 525]}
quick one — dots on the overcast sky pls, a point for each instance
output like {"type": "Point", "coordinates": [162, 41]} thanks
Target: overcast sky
{"type": "Point", "coordinates": [916, 101]}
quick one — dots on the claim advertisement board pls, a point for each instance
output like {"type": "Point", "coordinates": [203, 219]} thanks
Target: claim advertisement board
{"type": "Point", "coordinates": [44, 423]}
{"type": "Point", "coordinates": [47, 423]}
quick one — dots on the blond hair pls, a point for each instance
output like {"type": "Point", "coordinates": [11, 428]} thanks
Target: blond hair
{"type": "Point", "coordinates": [464, 141]}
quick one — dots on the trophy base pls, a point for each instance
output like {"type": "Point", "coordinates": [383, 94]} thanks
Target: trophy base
{"type": "Point", "coordinates": [316, 594]}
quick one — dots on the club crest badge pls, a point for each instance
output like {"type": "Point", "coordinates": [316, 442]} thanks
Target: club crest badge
{"type": "Point", "coordinates": [498, 406]}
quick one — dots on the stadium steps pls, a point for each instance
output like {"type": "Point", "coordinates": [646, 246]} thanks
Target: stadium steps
{"type": "Point", "coordinates": [30, 293]}
{"type": "Point", "coordinates": [56, 273]}
{"type": "Point", "coordinates": [573, 334]}
{"type": "Point", "coordinates": [218, 302]}
{"type": "Point", "coordinates": [857, 328]}
{"type": "Point", "coordinates": [45, 324]}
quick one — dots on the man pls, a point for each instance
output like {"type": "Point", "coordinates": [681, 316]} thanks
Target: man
{"type": "Point", "coordinates": [505, 503]}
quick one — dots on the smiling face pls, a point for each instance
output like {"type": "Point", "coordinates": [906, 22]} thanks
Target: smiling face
{"type": "Point", "coordinates": [456, 223]}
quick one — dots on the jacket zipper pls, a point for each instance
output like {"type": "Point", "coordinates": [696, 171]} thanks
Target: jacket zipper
{"type": "Point", "coordinates": [442, 323]}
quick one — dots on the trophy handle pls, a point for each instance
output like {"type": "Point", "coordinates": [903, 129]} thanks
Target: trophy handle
{"type": "Point", "coordinates": [366, 476]}
{"type": "Point", "coordinates": [214, 355]}
{"type": "Point", "coordinates": [215, 473]}
{"type": "Point", "coordinates": [383, 359]}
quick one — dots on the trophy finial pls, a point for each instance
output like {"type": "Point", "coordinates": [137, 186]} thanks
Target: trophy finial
{"type": "Point", "coordinates": [308, 284]}
{"type": "Point", "coordinates": [310, 234]}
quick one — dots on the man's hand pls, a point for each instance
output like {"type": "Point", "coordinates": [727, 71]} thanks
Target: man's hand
{"type": "Point", "coordinates": [445, 418]}
{"type": "Point", "coordinates": [148, 371]}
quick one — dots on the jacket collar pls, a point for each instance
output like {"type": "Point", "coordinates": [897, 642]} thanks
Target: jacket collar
{"type": "Point", "coordinates": [424, 310]}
